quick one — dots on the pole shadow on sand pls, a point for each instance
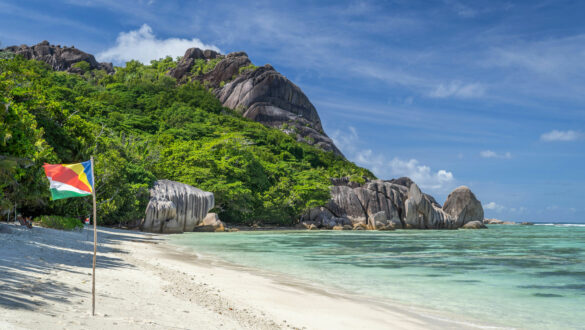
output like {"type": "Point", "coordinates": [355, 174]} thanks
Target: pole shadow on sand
{"type": "Point", "coordinates": [29, 259]}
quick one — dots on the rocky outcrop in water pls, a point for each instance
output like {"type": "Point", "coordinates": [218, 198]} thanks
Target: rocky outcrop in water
{"type": "Point", "coordinates": [259, 93]}
{"type": "Point", "coordinates": [497, 222]}
{"type": "Point", "coordinates": [393, 204]}
{"type": "Point", "coordinates": [210, 223]}
{"type": "Point", "coordinates": [59, 58]}
{"type": "Point", "coordinates": [176, 207]}
{"type": "Point", "coordinates": [474, 225]}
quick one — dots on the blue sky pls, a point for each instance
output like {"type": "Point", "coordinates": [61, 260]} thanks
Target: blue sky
{"type": "Point", "coordinates": [488, 94]}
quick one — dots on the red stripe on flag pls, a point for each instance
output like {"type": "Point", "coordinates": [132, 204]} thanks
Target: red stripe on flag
{"type": "Point", "coordinates": [66, 175]}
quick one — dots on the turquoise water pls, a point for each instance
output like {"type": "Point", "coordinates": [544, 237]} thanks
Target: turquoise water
{"type": "Point", "coordinates": [511, 276]}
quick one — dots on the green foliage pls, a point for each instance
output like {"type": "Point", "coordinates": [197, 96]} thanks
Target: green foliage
{"type": "Point", "coordinates": [6, 55]}
{"type": "Point", "coordinates": [58, 222]}
{"type": "Point", "coordinates": [82, 65]}
{"type": "Point", "coordinates": [357, 179]}
{"type": "Point", "coordinates": [249, 67]}
{"type": "Point", "coordinates": [202, 66]}
{"type": "Point", "coordinates": [141, 126]}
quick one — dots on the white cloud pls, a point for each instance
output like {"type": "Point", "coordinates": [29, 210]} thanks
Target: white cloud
{"type": "Point", "coordinates": [421, 174]}
{"type": "Point", "coordinates": [349, 143]}
{"type": "Point", "coordinates": [494, 206]}
{"type": "Point", "coordinates": [142, 45]}
{"type": "Point", "coordinates": [458, 89]}
{"type": "Point", "coordinates": [555, 135]}
{"type": "Point", "coordinates": [462, 10]}
{"type": "Point", "coordinates": [493, 154]}
{"type": "Point", "coordinates": [557, 57]}
{"type": "Point", "coordinates": [345, 140]}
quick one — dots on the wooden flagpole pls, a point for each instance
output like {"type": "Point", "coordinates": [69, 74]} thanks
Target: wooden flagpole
{"type": "Point", "coordinates": [94, 239]}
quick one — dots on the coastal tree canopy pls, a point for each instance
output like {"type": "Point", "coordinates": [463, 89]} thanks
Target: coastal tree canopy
{"type": "Point", "coordinates": [141, 126]}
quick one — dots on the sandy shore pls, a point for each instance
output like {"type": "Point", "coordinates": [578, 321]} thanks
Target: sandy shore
{"type": "Point", "coordinates": [142, 282]}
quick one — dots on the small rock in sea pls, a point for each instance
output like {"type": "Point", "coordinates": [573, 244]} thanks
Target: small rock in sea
{"type": "Point", "coordinates": [337, 228]}
{"type": "Point", "coordinates": [386, 227]}
{"type": "Point", "coordinates": [359, 226]}
{"type": "Point", "coordinates": [526, 223]}
{"type": "Point", "coordinates": [474, 225]}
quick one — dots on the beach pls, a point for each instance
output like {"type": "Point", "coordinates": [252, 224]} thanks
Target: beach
{"type": "Point", "coordinates": [142, 282]}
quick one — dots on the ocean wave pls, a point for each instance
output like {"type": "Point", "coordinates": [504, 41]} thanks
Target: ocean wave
{"type": "Point", "coordinates": [561, 224]}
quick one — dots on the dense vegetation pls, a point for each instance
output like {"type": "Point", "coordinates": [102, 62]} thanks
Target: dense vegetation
{"type": "Point", "coordinates": [140, 125]}
{"type": "Point", "coordinates": [58, 222]}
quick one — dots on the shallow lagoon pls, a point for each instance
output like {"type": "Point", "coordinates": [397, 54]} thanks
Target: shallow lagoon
{"type": "Point", "coordinates": [512, 276]}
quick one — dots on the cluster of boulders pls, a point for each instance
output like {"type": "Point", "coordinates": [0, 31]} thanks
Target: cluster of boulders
{"type": "Point", "coordinates": [58, 57]}
{"type": "Point", "coordinates": [393, 204]}
{"type": "Point", "coordinates": [374, 205]}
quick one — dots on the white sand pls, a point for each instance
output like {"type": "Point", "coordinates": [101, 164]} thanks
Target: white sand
{"type": "Point", "coordinates": [144, 283]}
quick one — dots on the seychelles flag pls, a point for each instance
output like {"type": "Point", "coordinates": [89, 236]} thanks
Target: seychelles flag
{"type": "Point", "coordinates": [70, 180]}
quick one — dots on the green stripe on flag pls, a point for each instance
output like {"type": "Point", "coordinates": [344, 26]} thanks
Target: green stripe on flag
{"type": "Point", "coordinates": [60, 194]}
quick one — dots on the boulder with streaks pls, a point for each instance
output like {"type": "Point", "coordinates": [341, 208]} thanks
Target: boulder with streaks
{"type": "Point", "coordinates": [176, 207]}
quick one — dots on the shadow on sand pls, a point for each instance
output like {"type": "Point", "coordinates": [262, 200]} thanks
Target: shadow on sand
{"type": "Point", "coordinates": [28, 258]}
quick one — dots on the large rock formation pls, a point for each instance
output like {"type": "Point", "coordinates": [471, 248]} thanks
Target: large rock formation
{"type": "Point", "coordinates": [461, 204]}
{"type": "Point", "coordinates": [259, 93]}
{"type": "Point", "coordinates": [176, 207]}
{"type": "Point", "coordinates": [59, 58]}
{"type": "Point", "coordinates": [379, 204]}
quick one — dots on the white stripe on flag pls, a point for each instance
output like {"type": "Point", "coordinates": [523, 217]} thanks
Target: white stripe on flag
{"type": "Point", "coordinates": [65, 187]}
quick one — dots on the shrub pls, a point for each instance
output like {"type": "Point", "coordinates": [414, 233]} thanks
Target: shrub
{"type": "Point", "coordinates": [83, 65]}
{"type": "Point", "coordinates": [249, 67]}
{"type": "Point", "coordinates": [58, 222]}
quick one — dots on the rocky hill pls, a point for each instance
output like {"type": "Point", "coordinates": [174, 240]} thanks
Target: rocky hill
{"type": "Point", "coordinates": [247, 185]}
{"type": "Point", "coordinates": [59, 58]}
{"type": "Point", "coordinates": [258, 93]}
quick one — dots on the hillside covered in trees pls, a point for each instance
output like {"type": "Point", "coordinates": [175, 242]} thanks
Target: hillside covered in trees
{"type": "Point", "coordinates": [141, 125]}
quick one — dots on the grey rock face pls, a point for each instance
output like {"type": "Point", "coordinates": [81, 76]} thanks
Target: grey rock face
{"type": "Point", "coordinates": [373, 203]}
{"type": "Point", "coordinates": [261, 94]}
{"type": "Point", "coordinates": [382, 204]}
{"type": "Point", "coordinates": [59, 58]}
{"type": "Point", "coordinates": [321, 217]}
{"type": "Point", "coordinates": [266, 96]}
{"type": "Point", "coordinates": [226, 69]}
{"type": "Point", "coordinates": [463, 206]}
{"type": "Point", "coordinates": [186, 63]}
{"type": "Point", "coordinates": [421, 213]}
{"type": "Point", "coordinates": [176, 207]}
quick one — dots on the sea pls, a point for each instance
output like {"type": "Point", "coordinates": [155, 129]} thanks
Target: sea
{"type": "Point", "coordinates": [507, 276]}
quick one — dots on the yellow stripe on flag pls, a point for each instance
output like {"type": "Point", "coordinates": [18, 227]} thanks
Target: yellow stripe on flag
{"type": "Point", "coordinates": [78, 168]}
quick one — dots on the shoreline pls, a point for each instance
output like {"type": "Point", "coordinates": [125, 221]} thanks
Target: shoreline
{"type": "Point", "coordinates": [143, 281]}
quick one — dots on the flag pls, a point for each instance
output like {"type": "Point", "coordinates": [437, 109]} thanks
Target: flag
{"type": "Point", "coordinates": [70, 180]}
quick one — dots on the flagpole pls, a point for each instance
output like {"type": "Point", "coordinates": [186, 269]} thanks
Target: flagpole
{"type": "Point", "coordinates": [94, 239]}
